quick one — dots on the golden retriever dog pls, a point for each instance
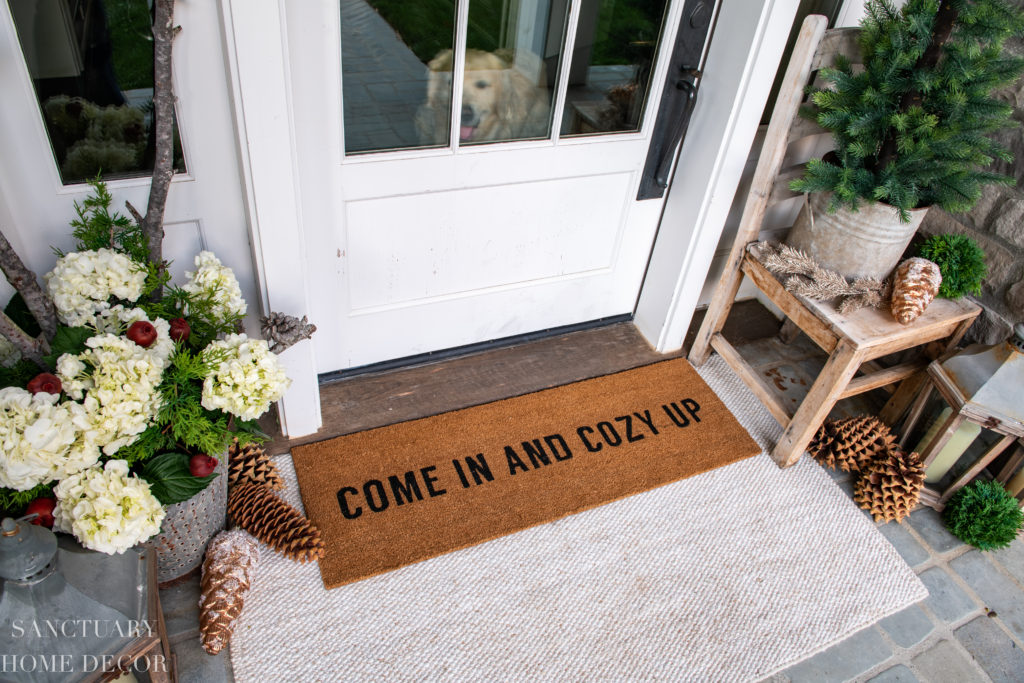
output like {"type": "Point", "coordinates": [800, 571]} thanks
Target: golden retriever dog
{"type": "Point", "coordinates": [499, 102]}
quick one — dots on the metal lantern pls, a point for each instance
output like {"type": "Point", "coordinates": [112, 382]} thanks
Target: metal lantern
{"type": "Point", "coordinates": [983, 385]}
{"type": "Point", "coordinates": [991, 379]}
{"type": "Point", "coordinates": [70, 615]}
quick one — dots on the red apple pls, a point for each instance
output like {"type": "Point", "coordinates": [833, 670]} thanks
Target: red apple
{"type": "Point", "coordinates": [45, 382]}
{"type": "Point", "coordinates": [180, 330]}
{"type": "Point", "coordinates": [201, 465]}
{"type": "Point", "coordinates": [44, 508]}
{"type": "Point", "coordinates": [142, 333]}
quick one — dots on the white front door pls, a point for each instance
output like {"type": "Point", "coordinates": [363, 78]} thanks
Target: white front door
{"type": "Point", "coordinates": [430, 227]}
{"type": "Point", "coordinates": [77, 81]}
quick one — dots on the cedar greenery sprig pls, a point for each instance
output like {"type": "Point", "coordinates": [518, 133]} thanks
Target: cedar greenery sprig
{"type": "Point", "coordinates": [13, 503]}
{"type": "Point", "coordinates": [984, 514]}
{"type": "Point", "coordinates": [97, 227]}
{"type": "Point", "coordinates": [910, 129]}
{"type": "Point", "coordinates": [961, 262]}
{"type": "Point", "coordinates": [182, 422]}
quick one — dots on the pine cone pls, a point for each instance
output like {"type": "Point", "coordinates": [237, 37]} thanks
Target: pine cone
{"type": "Point", "coordinates": [915, 284]}
{"type": "Point", "coordinates": [228, 570]}
{"type": "Point", "coordinates": [851, 443]}
{"type": "Point", "coordinates": [891, 486]}
{"type": "Point", "coordinates": [275, 522]}
{"type": "Point", "coordinates": [251, 463]}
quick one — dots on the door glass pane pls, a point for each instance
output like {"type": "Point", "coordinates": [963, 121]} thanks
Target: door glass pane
{"type": "Point", "coordinates": [512, 53]}
{"type": "Point", "coordinates": [612, 63]}
{"type": "Point", "coordinates": [91, 63]}
{"type": "Point", "coordinates": [391, 99]}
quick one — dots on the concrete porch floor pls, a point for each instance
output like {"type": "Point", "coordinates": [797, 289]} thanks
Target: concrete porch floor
{"type": "Point", "coordinates": [970, 628]}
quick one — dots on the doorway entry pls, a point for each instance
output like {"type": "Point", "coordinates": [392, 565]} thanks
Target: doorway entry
{"type": "Point", "coordinates": [515, 210]}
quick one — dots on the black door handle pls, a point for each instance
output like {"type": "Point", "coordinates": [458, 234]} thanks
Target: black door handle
{"type": "Point", "coordinates": [678, 129]}
{"type": "Point", "coordinates": [678, 98]}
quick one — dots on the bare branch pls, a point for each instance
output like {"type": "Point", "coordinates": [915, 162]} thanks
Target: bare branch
{"type": "Point", "coordinates": [24, 280]}
{"type": "Point", "coordinates": [33, 349]}
{"type": "Point", "coordinates": [134, 212]}
{"type": "Point", "coordinates": [163, 123]}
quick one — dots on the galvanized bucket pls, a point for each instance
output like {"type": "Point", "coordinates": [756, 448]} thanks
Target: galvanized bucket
{"type": "Point", "coordinates": [188, 527]}
{"type": "Point", "coordinates": [864, 243]}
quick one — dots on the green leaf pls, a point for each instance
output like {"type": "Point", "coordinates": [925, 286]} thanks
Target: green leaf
{"type": "Point", "coordinates": [67, 340]}
{"type": "Point", "coordinates": [19, 374]}
{"type": "Point", "coordinates": [17, 311]}
{"type": "Point", "coordinates": [169, 478]}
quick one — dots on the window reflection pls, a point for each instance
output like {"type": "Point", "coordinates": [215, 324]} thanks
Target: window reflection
{"type": "Point", "coordinates": [386, 46]}
{"type": "Point", "coordinates": [91, 63]}
{"type": "Point", "coordinates": [512, 56]}
{"type": "Point", "coordinates": [610, 74]}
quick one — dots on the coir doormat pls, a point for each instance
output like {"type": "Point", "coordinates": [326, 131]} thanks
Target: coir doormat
{"type": "Point", "coordinates": [387, 497]}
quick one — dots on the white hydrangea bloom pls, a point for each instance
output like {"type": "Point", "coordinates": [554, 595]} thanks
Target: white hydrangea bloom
{"type": "Point", "coordinates": [107, 509]}
{"type": "Point", "coordinates": [9, 353]}
{"type": "Point", "coordinates": [216, 281]}
{"type": "Point", "coordinates": [118, 319]}
{"type": "Point", "coordinates": [40, 439]}
{"type": "Point", "coordinates": [248, 379]}
{"type": "Point", "coordinates": [82, 283]}
{"type": "Point", "coordinates": [118, 380]}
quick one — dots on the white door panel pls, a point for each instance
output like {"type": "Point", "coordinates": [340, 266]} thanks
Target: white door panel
{"type": "Point", "coordinates": [460, 239]}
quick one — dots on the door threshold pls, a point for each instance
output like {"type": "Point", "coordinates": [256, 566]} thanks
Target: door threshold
{"type": "Point", "coordinates": [524, 364]}
{"type": "Point", "coordinates": [468, 349]}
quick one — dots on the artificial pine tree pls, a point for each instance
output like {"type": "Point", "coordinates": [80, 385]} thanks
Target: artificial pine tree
{"type": "Point", "coordinates": [910, 128]}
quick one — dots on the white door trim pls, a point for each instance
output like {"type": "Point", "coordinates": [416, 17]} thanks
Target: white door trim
{"type": "Point", "coordinates": [256, 41]}
{"type": "Point", "coordinates": [732, 96]}
{"type": "Point", "coordinates": [733, 93]}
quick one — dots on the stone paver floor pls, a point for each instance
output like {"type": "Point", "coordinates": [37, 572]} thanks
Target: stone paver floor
{"type": "Point", "coordinates": [970, 628]}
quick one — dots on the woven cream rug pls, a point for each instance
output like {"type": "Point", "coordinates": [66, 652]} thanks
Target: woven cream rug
{"type": "Point", "coordinates": [730, 575]}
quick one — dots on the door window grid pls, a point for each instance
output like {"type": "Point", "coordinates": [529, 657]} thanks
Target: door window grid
{"type": "Point", "coordinates": [398, 97]}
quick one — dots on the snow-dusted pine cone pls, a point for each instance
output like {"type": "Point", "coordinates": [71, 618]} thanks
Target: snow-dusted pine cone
{"type": "Point", "coordinates": [228, 570]}
{"type": "Point", "coordinates": [914, 284]}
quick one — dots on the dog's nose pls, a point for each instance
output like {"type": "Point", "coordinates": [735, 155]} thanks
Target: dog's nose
{"type": "Point", "coordinates": [468, 115]}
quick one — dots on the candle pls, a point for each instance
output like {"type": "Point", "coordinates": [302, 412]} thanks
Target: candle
{"type": "Point", "coordinates": [954, 448]}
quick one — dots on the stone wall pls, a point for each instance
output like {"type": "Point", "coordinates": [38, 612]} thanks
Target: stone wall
{"type": "Point", "coordinates": [997, 224]}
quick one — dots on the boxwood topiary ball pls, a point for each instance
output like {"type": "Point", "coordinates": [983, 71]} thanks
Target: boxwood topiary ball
{"type": "Point", "coordinates": [984, 514]}
{"type": "Point", "coordinates": [961, 262]}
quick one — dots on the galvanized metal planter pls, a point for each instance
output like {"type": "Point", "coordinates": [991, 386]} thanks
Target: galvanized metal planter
{"type": "Point", "coordinates": [864, 243]}
{"type": "Point", "coordinates": [189, 526]}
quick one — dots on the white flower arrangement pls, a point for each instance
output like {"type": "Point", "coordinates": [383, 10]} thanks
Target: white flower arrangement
{"type": "Point", "coordinates": [106, 508]}
{"type": "Point", "coordinates": [117, 380]}
{"type": "Point", "coordinates": [41, 440]}
{"type": "Point", "coordinates": [82, 283]}
{"type": "Point", "coordinates": [217, 282]}
{"type": "Point", "coordinates": [140, 388]}
{"type": "Point", "coordinates": [247, 379]}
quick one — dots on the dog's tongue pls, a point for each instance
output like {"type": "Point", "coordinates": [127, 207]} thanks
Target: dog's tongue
{"type": "Point", "coordinates": [466, 132]}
